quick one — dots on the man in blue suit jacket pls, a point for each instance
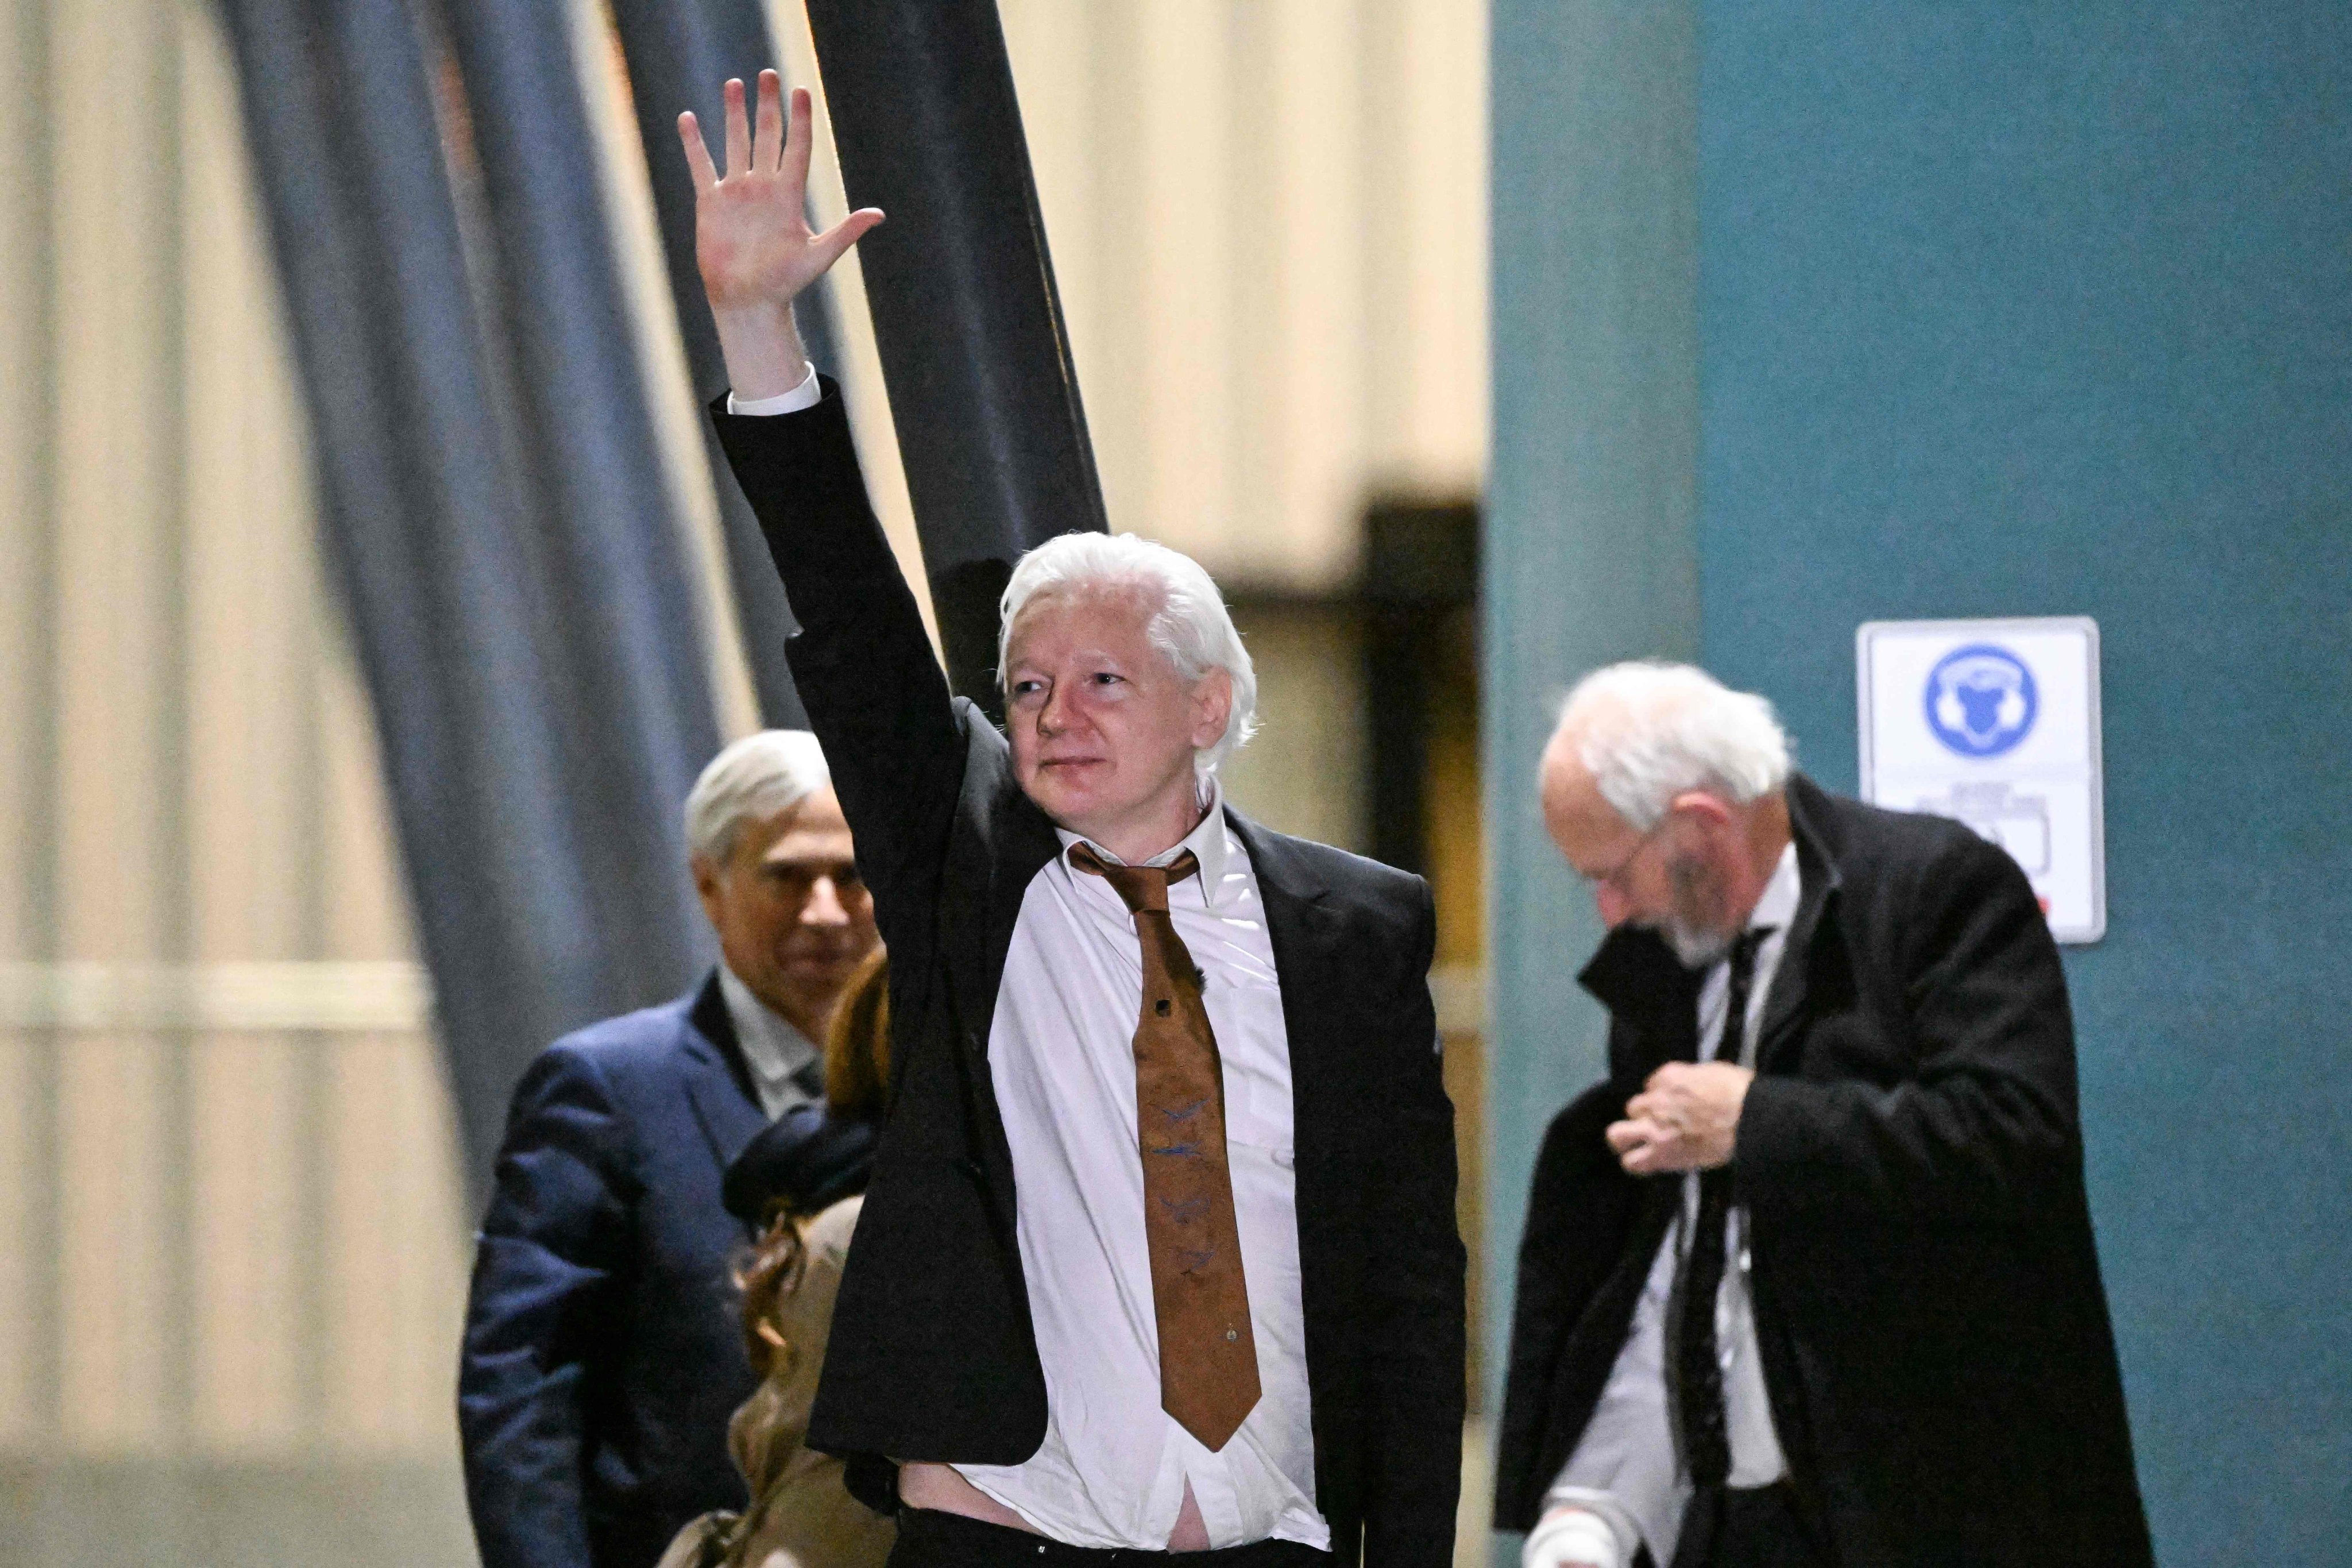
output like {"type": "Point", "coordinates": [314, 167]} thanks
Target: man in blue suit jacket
{"type": "Point", "coordinates": [601, 1354]}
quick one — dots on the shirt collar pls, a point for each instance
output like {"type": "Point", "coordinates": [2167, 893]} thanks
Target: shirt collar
{"type": "Point", "coordinates": [773, 1046]}
{"type": "Point", "coordinates": [1778, 905]}
{"type": "Point", "coordinates": [1210, 843]}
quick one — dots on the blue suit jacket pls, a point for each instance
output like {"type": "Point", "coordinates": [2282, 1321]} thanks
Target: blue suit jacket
{"type": "Point", "coordinates": [601, 1354]}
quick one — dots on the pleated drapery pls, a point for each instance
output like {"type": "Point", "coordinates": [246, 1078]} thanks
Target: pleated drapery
{"type": "Point", "coordinates": [505, 541]}
{"type": "Point", "coordinates": [680, 53]}
{"type": "Point", "coordinates": [507, 552]}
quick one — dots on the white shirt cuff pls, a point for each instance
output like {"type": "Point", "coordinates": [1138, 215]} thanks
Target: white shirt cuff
{"type": "Point", "coordinates": [1575, 1537]}
{"type": "Point", "coordinates": [807, 395]}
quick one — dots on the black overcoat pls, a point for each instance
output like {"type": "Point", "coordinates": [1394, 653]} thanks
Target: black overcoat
{"type": "Point", "coordinates": [1935, 1335]}
{"type": "Point", "coordinates": [933, 1353]}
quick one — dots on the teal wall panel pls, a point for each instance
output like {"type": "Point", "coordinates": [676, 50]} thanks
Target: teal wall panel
{"type": "Point", "coordinates": [2013, 310]}
{"type": "Point", "coordinates": [1996, 310]}
{"type": "Point", "coordinates": [1588, 550]}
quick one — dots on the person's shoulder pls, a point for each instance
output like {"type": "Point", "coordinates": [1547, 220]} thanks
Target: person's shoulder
{"type": "Point", "coordinates": [1309, 866]}
{"type": "Point", "coordinates": [1907, 866]}
{"type": "Point", "coordinates": [626, 1046]}
{"type": "Point", "coordinates": [1384, 910]}
{"type": "Point", "coordinates": [596, 1089]}
{"type": "Point", "coordinates": [1869, 840]}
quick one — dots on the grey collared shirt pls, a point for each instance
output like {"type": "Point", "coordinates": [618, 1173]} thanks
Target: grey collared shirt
{"type": "Point", "coordinates": [786, 1069]}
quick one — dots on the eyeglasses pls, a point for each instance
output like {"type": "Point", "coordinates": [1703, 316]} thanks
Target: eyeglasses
{"type": "Point", "coordinates": [1615, 877]}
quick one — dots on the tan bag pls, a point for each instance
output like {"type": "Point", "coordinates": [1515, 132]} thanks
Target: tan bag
{"type": "Point", "coordinates": [701, 1543]}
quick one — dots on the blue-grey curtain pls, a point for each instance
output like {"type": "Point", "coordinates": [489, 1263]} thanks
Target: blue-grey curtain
{"type": "Point", "coordinates": [507, 555]}
{"type": "Point", "coordinates": [497, 517]}
{"type": "Point", "coordinates": [680, 53]}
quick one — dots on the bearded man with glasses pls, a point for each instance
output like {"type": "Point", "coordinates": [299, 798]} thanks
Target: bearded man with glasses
{"type": "Point", "coordinates": [1808, 1279]}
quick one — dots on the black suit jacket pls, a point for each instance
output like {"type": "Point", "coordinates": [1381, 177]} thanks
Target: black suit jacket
{"type": "Point", "coordinates": [1935, 1336]}
{"type": "Point", "coordinates": [932, 1354]}
{"type": "Point", "coordinates": [603, 1355]}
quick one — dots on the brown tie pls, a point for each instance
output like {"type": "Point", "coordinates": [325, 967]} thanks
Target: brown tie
{"type": "Point", "coordinates": [1208, 1356]}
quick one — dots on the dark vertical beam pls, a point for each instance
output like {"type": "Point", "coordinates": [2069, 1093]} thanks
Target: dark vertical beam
{"type": "Point", "coordinates": [974, 353]}
{"type": "Point", "coordinates": [637, 720]}
{"type": "Point", "coordinates": [1420, 569]}
{"type": "Point", "coordinates": [417, 508]}
{"type": "Point", "coordinates": [679, 53]}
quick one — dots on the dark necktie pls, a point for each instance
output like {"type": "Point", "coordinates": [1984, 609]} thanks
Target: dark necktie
{"type": "Point", "coordinates": [1208, 1356]}
{"type": "Point", "coordinates": [809, 1077]}
{"type": "Point", "coordinates": [1706, 1442]}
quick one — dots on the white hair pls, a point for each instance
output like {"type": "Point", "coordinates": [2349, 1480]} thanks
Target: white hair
{"type": "Point", "coordinates": [1649, 731]}
{"type": "Point", "coordinates": [1189, 623]}
{"type": "Point", "coordinates": [757, 777]}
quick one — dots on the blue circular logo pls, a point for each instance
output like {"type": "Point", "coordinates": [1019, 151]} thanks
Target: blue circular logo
{"type": "Point", "coordinates": [1981, 701]}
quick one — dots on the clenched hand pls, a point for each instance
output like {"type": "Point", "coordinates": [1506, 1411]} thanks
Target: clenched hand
{"type": "Point", "coordinates": [1686, 1118]}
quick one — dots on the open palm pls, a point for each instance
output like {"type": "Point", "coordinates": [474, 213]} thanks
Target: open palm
{"type": "Point", "coordinates": [752, 236]}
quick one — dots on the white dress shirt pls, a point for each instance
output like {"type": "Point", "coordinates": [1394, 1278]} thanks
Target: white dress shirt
{"type": "Point", "coordinates": [1624, 1467]}
{"type": "Point", "coordinates": [779, 1055]}
{"type": "Point", "coordinates": [1113, 1468]}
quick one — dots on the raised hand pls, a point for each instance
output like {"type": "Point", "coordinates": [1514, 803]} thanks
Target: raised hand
{"type": "Point", "coordinates": [751, 238]}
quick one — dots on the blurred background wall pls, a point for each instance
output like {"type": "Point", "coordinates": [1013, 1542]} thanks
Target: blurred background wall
{"type": "Point", "coordinates": [2023, 313]}
{"type": "Point", "coordinates": [232, 1235]}
{"type": "Point", "coordinates": [229, 1238]}
{"type": "Point", "coordinates": [1809, 315]}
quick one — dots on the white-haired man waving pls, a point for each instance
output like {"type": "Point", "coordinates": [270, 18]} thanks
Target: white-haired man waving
{"type": "Point", "coordinates": [1159, 1253]}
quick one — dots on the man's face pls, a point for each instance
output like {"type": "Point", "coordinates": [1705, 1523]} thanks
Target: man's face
{"type": "Point", "coordinates": [793, 916]}
{"type": "Point", "coordinates": [1675, 879]}
{"type": "Point", "coordinates": [1103, 729]}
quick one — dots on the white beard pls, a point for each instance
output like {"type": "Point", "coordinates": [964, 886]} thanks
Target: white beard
{"type": "Point", "coordinates": [1697, 949]}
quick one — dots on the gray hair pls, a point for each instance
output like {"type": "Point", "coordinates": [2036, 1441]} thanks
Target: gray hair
{"type": "Point", "coordinates": [757, 777]}
{"type": "Point", "coordinates": [1189, 624]}
{"type": "Point", "coordinates": [1649, 731]}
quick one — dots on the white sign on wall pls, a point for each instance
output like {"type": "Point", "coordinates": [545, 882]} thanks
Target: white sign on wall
{"type": "Point", "coordinates": [1995, 723]}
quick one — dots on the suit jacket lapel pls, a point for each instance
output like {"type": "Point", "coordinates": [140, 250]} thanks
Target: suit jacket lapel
{"type": "Point", "coordinates": [1813, 954]}
{"type": "Point", "coordinates": [1002, 841]}
{"type": "Point", "coordinates": [717, 1080]}
{"type": "Point", "coordinates": [1646, 987]}
{"type": "Point", "coordinates": [1304, 933]}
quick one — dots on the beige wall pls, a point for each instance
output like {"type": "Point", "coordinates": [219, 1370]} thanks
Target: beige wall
{"type": "Point", "coordinates": [1267, 220]}
{"type": "Point", "coordinates": [1269, 226]}
{"type": "Point", "coordinates": [231, 1244]}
